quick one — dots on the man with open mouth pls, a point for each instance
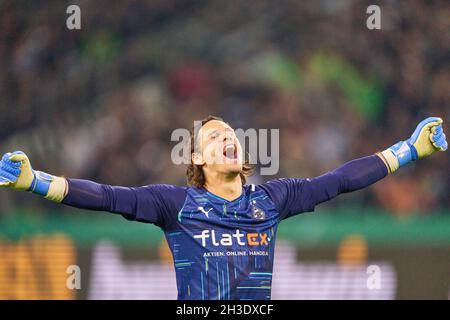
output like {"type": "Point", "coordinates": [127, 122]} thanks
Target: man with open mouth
{"type": "Point", "coordinates": [221, 231]}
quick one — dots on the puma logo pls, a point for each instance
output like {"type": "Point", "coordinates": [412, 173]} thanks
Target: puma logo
{"type": "Point", "coordinates": [205, 212]}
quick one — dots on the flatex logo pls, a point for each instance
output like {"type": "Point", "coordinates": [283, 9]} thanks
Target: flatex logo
{"type": "Point", "coordinates": [228, 239]}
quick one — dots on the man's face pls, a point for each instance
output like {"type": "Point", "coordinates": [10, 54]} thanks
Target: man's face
{"type": "Point", "coordinates": [218, 148]}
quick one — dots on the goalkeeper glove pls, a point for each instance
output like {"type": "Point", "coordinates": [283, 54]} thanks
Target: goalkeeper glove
{"type": "Point", "coordinates": [426, 140]}
{"type": "Point", "coordinates": [16, 173]}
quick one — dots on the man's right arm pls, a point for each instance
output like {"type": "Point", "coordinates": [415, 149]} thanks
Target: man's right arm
{"type": "Point", "coordinates": [157, 204]}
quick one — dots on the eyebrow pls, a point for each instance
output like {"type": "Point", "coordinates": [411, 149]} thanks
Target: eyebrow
{"type": "Point", "coordinates": [213, 132]}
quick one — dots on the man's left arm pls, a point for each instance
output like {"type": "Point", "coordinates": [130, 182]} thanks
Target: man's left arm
{"type": "Point", "coordinates": [294, 196]}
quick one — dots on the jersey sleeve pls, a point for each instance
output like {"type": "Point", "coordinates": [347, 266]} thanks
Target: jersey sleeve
{"type": "Point", "coordinates": [157, 204]}
{"type": "Point", "coordinates": [294, 196]}
{"type": "Point", "coordinates": [290, 196]}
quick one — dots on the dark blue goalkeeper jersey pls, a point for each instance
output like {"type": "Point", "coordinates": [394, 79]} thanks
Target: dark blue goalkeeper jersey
{"type": "Point", "coordinates": [224, 249]}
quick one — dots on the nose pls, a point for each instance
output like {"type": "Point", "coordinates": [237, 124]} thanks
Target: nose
{"type": "Point", "coordinates": [228, 137]}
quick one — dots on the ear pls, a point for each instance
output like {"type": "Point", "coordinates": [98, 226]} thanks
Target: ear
{"type": "Point", "coordinates": [197, 159]}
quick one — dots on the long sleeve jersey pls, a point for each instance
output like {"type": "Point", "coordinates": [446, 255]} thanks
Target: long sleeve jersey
{"type": "Point", "coordinates": [224, 249]}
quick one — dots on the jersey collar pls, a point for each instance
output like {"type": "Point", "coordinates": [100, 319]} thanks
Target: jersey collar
{"type": "Point", "coordinates": [216, 198]}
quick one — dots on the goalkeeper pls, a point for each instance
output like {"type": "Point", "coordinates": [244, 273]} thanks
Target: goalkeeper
{"type": "Point", "coordinates": [211, 222]}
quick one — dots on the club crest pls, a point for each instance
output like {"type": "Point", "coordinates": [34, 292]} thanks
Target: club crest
{"type": "Point", "coordinates": [258, 213]}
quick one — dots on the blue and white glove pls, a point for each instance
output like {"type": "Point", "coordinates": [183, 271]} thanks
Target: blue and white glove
{"type": "Point", "coordinates": [427, 139]}
{"type": "Point", "coordinates": [16, 173]}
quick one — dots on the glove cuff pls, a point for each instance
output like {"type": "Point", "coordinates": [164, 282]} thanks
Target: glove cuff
{"type": "Point", "coordinates": [51, 187]}
{"type": "Point", "coordinates": [57, 190]}
{"type": "Point", "coordinates": [390, 160]}
{"type": "Point", "coordinates": [41, 183]}
{"type": "Point", "coordinates": [404, 152]}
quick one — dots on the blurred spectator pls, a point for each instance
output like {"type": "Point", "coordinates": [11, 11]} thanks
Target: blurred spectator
{"type": "Point", "coordinates": [100, 103]}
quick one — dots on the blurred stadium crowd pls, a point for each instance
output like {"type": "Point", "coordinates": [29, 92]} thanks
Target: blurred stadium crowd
{"type": "Point", "coordinates": [100, 103]}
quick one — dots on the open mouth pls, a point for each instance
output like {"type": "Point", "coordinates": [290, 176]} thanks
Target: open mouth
{"type": "Point", "coordinates": [230, 151]}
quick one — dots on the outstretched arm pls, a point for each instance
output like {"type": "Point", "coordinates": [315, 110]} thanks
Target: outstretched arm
{"type": "Point", "coordinates": [357, 174]}
{"type": "Point", "coordinates": [293, 196]}
{"type": "Point", "coordinates": [354, 175]}
{"type": "Point", "coordinates": [156, 204]}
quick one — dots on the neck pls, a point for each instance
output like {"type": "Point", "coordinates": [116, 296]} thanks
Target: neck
{"type": "Point", "coordinates": [227, 187]}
